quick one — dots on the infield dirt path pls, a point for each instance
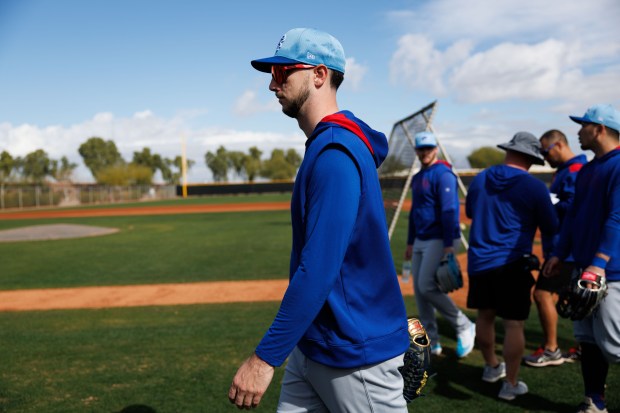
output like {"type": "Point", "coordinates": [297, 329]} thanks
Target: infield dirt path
{"type": "Point", "coordinates": [160, 294]}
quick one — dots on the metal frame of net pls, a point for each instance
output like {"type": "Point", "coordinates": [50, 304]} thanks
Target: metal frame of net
{"type": "Point", "coordinates": [401, 164]}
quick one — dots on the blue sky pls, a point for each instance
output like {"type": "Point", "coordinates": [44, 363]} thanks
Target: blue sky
{"type": "Point", "coordinates": [151, 73]}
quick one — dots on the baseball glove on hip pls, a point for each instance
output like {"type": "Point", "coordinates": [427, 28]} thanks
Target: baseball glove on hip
{"type": "Point", "coordinates": [577, 301]}
{"type": "Point", "coordinates": [417, 361]}
{"type": "Point", "coordinates": [448, 275]}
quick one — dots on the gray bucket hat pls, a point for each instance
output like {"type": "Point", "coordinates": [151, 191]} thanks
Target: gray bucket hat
{"type": "Point", "coordinates": [527, 144]}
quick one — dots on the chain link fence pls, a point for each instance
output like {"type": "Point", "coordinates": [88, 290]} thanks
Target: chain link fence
{"type": "Point", "coordinates": [40, 196]}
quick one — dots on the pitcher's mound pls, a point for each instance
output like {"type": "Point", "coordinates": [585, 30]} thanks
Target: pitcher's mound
{"type": "Point", "coordinates": [53, 231]}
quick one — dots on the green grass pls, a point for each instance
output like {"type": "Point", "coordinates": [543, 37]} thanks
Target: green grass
{"type": "Point", "coordinates": [153, 249]}
{"type": "Point", "coordinates": [182, 358]}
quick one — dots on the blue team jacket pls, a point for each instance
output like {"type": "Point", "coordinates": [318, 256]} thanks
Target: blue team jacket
{"type": "Point", "coordinates": [593, 222]}
{"type": "Point", "coordinates": [506, 205]}
{"type": "Point", "coordinates": [343, 307]}
{"type": "Point", "coordinates": [434, 205]}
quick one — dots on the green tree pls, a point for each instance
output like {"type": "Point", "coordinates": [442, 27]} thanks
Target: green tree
{"type": "Point", "coordinates": [293, 158]}
{"type": "Point", "coordinates": [6, 166]}
{"type": "Point", "coordinates": [485, 157]}
{"type": "Point", "coordinates": [99, 154]}
{"type": "Point", "coordinates": [62, 171]}
{"type": "Point", "coordinates": [252, 163]}
{"type": "Point", "coordinates": [280, 165]}
{"type": "Point", "coordinates": [236, 160]}
{"type": "Point", "coordinates": [125, 174]}
{"type": "Point", "coordinates": [174, 177]}
{"type": "Point", "coordinates": [218, 164]}
{"type": "Point", "coordinates": [148, 159]}
{"type": "Point", "coordinates": [36, 166]}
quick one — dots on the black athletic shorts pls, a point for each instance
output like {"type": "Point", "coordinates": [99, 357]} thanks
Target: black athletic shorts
{"type": "Point", "coordinates": [556, 283]}
{"type": "Point", "coordinates": [506, 289]}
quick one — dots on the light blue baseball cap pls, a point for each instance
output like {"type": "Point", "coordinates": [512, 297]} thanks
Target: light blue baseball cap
{"type": "Point", "coordinates": [425, 140]}
{"type": "Point", "coordinates": [602, 115]}
{"type": "Point", "coordinates": [308, 46]}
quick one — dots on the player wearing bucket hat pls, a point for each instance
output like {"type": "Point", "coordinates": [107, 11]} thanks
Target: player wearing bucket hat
{"type": "Point", "coordinates": [525, 143]}
{"type": "Point", "coordinates": [341, 266]}
{"type": "Point", "coordinates": [507, 206]}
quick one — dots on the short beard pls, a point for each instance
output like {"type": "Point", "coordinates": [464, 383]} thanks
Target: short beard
{"type": "Point", "coordinates": [293, 109]}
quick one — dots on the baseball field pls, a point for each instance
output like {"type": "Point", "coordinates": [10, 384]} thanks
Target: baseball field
{"type": "Point", "coordinates": [157, 316]}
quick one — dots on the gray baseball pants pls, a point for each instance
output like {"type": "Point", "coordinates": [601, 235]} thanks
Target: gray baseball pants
{"type": "Point", "coordinates": [603, 326]}
{"type": "Point", "coordinates": [308, 386]}
{"type": "Point", "coordinates": [426, 257]}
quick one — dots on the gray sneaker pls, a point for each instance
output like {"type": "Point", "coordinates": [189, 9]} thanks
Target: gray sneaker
{"type": "Point", "coordinates": [493, 374]}
{"type": "Point", "coordinates": [544, 357]}
{"type": "Point", "coordinates": [509, 392]}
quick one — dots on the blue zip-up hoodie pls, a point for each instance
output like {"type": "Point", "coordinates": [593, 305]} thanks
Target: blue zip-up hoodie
{"type": "Point", "coordinates": [506, 205]}
{"type": "Point", "coordinates": [563, 184]}
{"type": "Point", "coordinates": [343, 307]}
{"type": "Point", "coordinates": [434, 205]}
{"type": "Point", "coordinates": [593, 221]}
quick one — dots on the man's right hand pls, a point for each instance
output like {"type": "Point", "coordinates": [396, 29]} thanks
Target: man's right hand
{"type": "Point", "coordinates": [250, 383]}
{"type": "Point", "coordinates": [551, 268]}
{"type": "Point", "coordinates": [409, 252]}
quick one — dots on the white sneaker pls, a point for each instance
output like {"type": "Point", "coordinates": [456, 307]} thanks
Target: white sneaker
{"type": "Point", "coordinates": [436, 349]}
{"type": "Point", "coordinates": [589, 407]}
{"type": "Point", "coordinates": [509, 392]}
{"type": "Point", "coordinates": [493, 374]}
{"type": "Point", "coordinates": [465, 341]}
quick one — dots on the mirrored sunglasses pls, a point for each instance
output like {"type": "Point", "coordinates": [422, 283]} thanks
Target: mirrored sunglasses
{"type": "Point", "coordinates": [280, 73]}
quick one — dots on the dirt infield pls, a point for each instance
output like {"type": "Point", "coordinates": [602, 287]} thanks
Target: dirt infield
{"type": "Point", "coordinates": [144, 210]}
{"type": "Point", "coordinates": [161, 294]}
{"type": "Point", "coordinates": [52, 232]}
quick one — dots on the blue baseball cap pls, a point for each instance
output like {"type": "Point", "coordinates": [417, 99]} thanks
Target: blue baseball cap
{"type": "Point", "coordinates": [602, 115]}
{"type": "Point", "coordinates": [425, 140]}
{"type": "Point", "coordinates": [308, 46]}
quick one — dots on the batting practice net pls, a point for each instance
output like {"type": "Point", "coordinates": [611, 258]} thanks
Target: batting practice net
{"type": "Point", "coordinates": [400, 165]}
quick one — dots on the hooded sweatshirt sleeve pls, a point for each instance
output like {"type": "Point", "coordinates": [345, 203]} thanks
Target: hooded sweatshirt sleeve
{"type": "Point", "coordinates": [332, 205]}
{"type": "Point", "coordinates": [449, 208]}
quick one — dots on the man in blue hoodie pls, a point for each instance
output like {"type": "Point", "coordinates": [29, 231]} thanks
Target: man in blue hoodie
{"type": "Point", "coordinates": [506, 205]}
{"type": "Point", "coordinates": [433, 233]}
{"type": "Point", "coordinates": [342, 319]}
{"type": "Point", "coordinates": [558, 154]}
{"type": "Point", "coordinates": [591, 234]}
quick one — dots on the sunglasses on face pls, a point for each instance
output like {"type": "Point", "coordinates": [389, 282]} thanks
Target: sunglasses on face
{"type": "Point", "coordinates": [280, 73]}
{"type": "Point", "coordinates": [545, 152]}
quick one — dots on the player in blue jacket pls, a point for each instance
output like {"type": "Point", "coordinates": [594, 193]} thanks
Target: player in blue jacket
{"type": "Point", "coordinates": [342, 322]}
{"type": "Point", "coordinates": [559, 155]}
{"type": "Point", "coordinates": [591, 234]}
{"type": "Point", "coordinates": [506, 205]}
{"type": "Point", "coordinates": [434, 232]}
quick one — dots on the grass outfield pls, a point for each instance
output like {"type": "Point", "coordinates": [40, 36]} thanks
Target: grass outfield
{"type": "Point", "coordinates": [181, 359]}
{"type": "Point", "coordinates": [153, 249]}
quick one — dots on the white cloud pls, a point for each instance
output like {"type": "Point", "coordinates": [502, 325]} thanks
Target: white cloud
{"type": "Point", "coordinates": [248, 104]}
{"type": "Point", "coordinates": [418, 64]}
{"type": "Point", "coordinates": [509, 71]}
{"type": "Point", "coordinates": [513, 49]}
{"type": "Point", "coordinates": [517, 20]}
{"type": "Point", "coordinates": [354, 74]}
{"type": "Point", "coordinates": [144, 129]}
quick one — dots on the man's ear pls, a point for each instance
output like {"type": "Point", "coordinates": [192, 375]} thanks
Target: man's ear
{"type": "Point", "coordinates": [321, 75]}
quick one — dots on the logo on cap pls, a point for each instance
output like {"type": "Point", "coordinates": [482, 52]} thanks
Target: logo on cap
{"type": "Point", "coordinates": [280, 43]}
